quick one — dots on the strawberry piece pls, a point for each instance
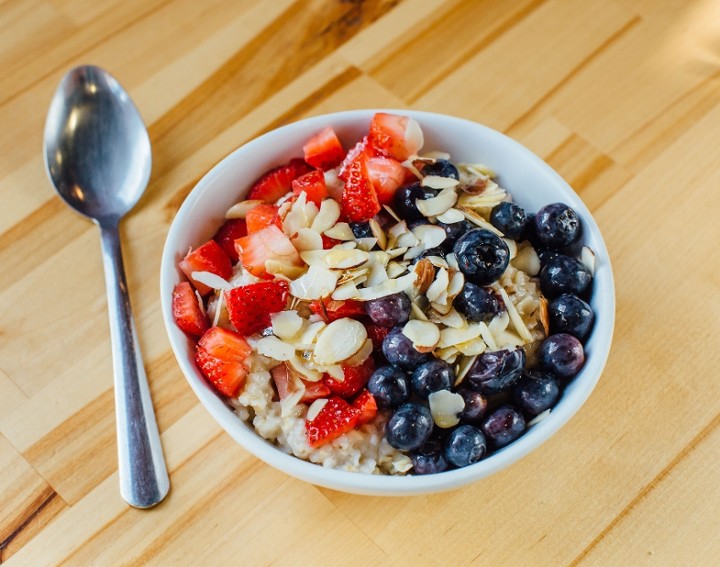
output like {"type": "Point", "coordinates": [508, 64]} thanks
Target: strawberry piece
{"type": "Point", "coordinates": [287, 380]}
{"type": "Point", "coordinates": [313, 184]}
{"type": "Point", "coordinates": [362, 148]}
{"type": "Point", "coordinates": [395, 136]}
{"type": "Point", "coordinates": [386, 175]}
{"type": "Point", "coordinates": [267, 244]}
{"type": "Point", "coordinates": [221, 356]}
{"type": "Point", "coordinates": [209, 257]}
{"type": "Point", "coordinates": [277, 182]}
{"type": "Point", "coordinates": [187, 312]}
{"type": "Point", "coordinates": [262, 216]}
{"type": "Point", "coordinates": [329, 242]}
{"type": "Point", "coordinates": [250, 306]}
{"type": "Point", "coordinates": [367, 406]}
{"type": "Point", "coordinates": [332, 309]}
{"type": "Point", "coordinates": [324, 150]}
{"type": "Point", "coordinates": [228, 233]}
{"type": "Point", "coordinates": [377, 334]}
{"type": "Point", "coordinates": [356, 377]}
{"type": "Point", "coordinates": [359, 200]}
{"type": "Point", "coordinates": [336, 418]}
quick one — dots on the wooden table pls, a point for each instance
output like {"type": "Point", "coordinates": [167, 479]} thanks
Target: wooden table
{"type": "Point", "coordinates": [622, 97]}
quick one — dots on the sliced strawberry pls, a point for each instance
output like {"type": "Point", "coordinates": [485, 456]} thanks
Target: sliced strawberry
{"type": "Point", "coordinates": [362, 148]}
{"type": "Point", "coordinates": [367, 406]}
{"type": "Point", "coordinates": [386, 175]}
{"type": "Point", "coordinates": [356, 377]}
{"type": "Point", "coordinates": [329, 242]}
{"type": "Point", "coordinates": [324, 150]}
{"type": "Point", "coordinates": [359, 199]}
{"type": "Point", "coordinates": [277, 182]}
{"type": "Point", "coordinates": [336, 418]}
{"type": "Point", "coordinates": [209, 257]}
{"type": "Point", "coordinates": [187, 312]}
{"type": "Point", "coordinates": [267, 244]}
{"type": "Point", "coordinates": [287, 379]}
{"type": "Point", "coordinates": [331, 309]}
{"type": "Point", "coordinates": [377, 334]}
{"type": "Point", "coordinates": [228, 233]}
{"type": "Point", "coordinates": [395, 136]}
{"type": "Point", "coordinates": [221, 356]}
{"type": "Point", "coordinates": [313, 184]}
{"type": "Point", "coordinates": [262, 216]}
{"type": "Point", "coordinates": [250, 306]}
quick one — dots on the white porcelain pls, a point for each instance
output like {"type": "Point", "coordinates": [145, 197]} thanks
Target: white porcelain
{"type": "Point", "coordinates": [531, 182]}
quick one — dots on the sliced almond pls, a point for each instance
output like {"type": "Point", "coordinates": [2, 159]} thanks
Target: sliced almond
{"type": "Point", "coordinates": [334, 370]}
{"type": "Point", "coordinates": [457, 281]}
{"type": "Point", "coordinates": [241, 209]}
{"type": "Point", "coordinates": [392, 213]}
{"type": "Point", "coordinates": [274, 348]}
{"type": "Point", "coordinates": [315, 408]}
{"type": "Point", "coordinates": [446, 407]}
{"type": "Point", "coordinates": [339, 259]}
{"type": "Point", "coordinates": [451, 337]}
{"type": "Point", "coordinates": [345, 291]}
{"type": "Point", "coordinates": [422, 333]}
{"type": "Point", "coordinates": [463, 368]}
{"type": "Point", "coordinates": [437, 182]}
{"type": "Point", "coordinates": [527, 260]}
{"type": "Point", "coordinates": [339, 341]}
{"type": "Point", "coordinates": [378, 233]}
{"type": "Point", "coordinates": [430, 235]}
{"type": "Point", "coordinates": [307, 239]}
{"type": "Point", "coordinates": [340, 231]}
{"type": "Point", "coordinates": [515, 318]}
{"type": "Point", "coordinates": [211, 280]}
{"type": "Point", "coordinates": [425, 275]}
{"type": "Point", "coordinates": [317, 282]}
{"type": "Point", "coordinates": [416, 312]}
{"type": "Point", "coordinates": [395, 252]}
{"type": "Point", "coordinates": [473, 347]}
{"type": "Point", "coordinates": [451, 319]}
{"type": "Point", "coordinates": [544, 317]}
{"type": "Point", "coordinates": [451, 216]}
{"type": "Point", "coordinates": [407, 239]}
{"type": "Point", "coordinates": [439, 204]}
{"type": "Point", "coordinates": [395, 269]}
{"type": "Point", "coordinates": [452, 262]}
{"type": "Point", "coordinates": [309, 334]}
{"type": "Point", "coordinates": [439, 286]}
{"type": "Point", "coordinates": [499, 323]}
{"type": "Point", "coordinates": [362, 355]}
{"type": "Point", "coordinates": [278, 267]}
{"type": "Point", "coordinates": [507, 339]}
{"type": "Point", "coordinates": [301, 366]}
{"type": "Point", "coordinates": [448, 354]}
{"type": "Point", "coordinates": [539, 417]}
{"type": "Point", "coordinates": [367, 243]}
{"type": "Point", "coordinates": [512, 247]}
{"type": "Point", "coordinates": [480, 222]}
{"type": "Point", "coordinates": [327, 216]}
{"type": "Point", "coordinates": [388, 287]}
{"type": "Point", "coordinates": [286, 324]}
{"type": "Point", "coordinates": [587, 257]}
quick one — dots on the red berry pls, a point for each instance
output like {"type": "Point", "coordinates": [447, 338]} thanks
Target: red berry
{"type": "Point", "coordinates": [267, 244]}
{"type": "Point", "coordinates": [262, 216]}
{"type": "Point", "coordinates": [250, 306]}
{"type": "Point", "coordinates": [288, 380]}
{"type": "Point", "coordinates": [331, 309]}
{"type": "Point", "coordinates": [187, 312]}
{"type": "Point", "coordinates": [359, 201]}
{"type": "Point", "coordinates": [336, 418]}
{"type": "Point", "coordinates": [221, 356]}
{"type": "Point", "coordinates": [324, 150]}
{"type": "Point", "coordinates": [367, 406]}
{"type": "Point", "coordinates": [395, 136]}
{"type": "Point", "coordinates": [356, 377]}
{"type": "Point", "coordinates": [313, 184]}
{"type": "Point", "coordinates": [228, 233]}
{"type": "Point", "coordinates": [277, 182]}
{"type": "Point", "coordinates": [209, 257]}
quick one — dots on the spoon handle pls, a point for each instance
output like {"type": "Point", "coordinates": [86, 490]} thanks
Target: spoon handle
{"type": "Point", "coordinates": [144, 479]}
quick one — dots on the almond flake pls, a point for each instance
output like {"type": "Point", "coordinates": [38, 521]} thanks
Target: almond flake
{"type": "Point", "coordinates": [445, 408]}
{"type": "Point", "coordinates": [278, 267]}
{"type": "Point", "coordinates": [439, 204]}
{"type": "Point", "coordinates": [457, 281]}
{"type": "Point", "coordinates": [327, 216]}
{"type": "Point", "coordinates": [539, 417]}
{"type": "Point", "coordinates": [490, 196]}
{"type": "Point", "coordinates": [397, 229]}
{"type": "Point", "coordinates": [463, 368]}
{"type": "Point", "coordinates": [451, 319]}
{"type": "Point", "coordinates": [488, 337]}
{"type": "Point", "coordinates": [367, 243]}
{"type": "Point", "coordinates": [378, 233]}
{"type": "Point", "coordinates": [339, 341]}
{"type": "Point", "coordinates": [392, 213]}
{"type": "Point", "coordinates": [289, 403]}
{"type": "Point", "coordinates": [442, 308]}
{"type": "Point", "coordinates": [286, 324]}
{"type": "Point", "coordinates": [438, 262]}
{"type": "Point", "coordinates": [345, 291]}
{"type": "Point", "coordinates": [508, 339]}
{"type": "Point", "coordinates": [341, 231]}
{"type": "Point", "coordinates": [336, 371]}
{"type": "Point", "coordinates": [512, 247]}
{"type": "Point", "coordinates": [437, 182]}
{"type": "Point", "coordinates": [499, 323]}
{"type": "Point", "coordinates": [477, 220]}
{"type": "Point", "coordinates": [220, 309]}
{"type": "Point", "coordinates": [395, 269]}
{"type": "Point", "coordinates": [429, 235]}
{"type": "Point", "coordinates": [317, 282]}
{"type": "Point", "coordinates": [241, 209]}
{"type": "Point", "coordinates": [425, 275]}
{"type": "Point", "coordinates": [362, 355]}
{"type": "Point", "coordinates": [422, 333]}
{"type": "Point", "coordinates": [451, 216]}
{"type": "Point", "coordinates": [448, 354]}
{"type": "Point", "coordinates": [395, 252]}
{"type": "Point", "coordinates": [414, 138]}
{"type": "Point", "coordinates": [480, 169]}
{"type": "Point", "coordinates": [301, 366]}
{"type": "Point", "coordinates": [410, 164]}
{"type": "Point", "coordinates": [274, 348]}
{"type": "Point", "coordinates": [436, 155]}
{"type": "Point", "coordinates": [339, 259]}
{"type": "Point", "coordinates": [452, 337]}
{"type": "Point", "coordinates": [416, 312]}
{"type": "Point", "coordinates": [407, 239]}
{"type": "Point", "coordinates": [439, 286]}
{"type": "Point", "coordinates": [527, 260]}
{"type": "Point", "coordinates": [587, 257]}
{"type": "Point", "coordinates": [307, 239]}
{"type": "Point", "coordinates": [315, 408]}
{"type": "Point", "coordinates": [302, 214]}
{"type": "Point", "coordinates": [211, 280]}
{"type": "Point", "coordinates": [377, 274]}
{"type": "Point", "coordinates": [414, 252]}
{"type": "Point", "coordinates": [388, 287]}
{"type": "Point", "coordinates": [452, 262]}
{"type": "Point", "coordinates": [544, 317]}
{"type": "Point", "coordinates": [473, 347]}
{"type": "Point", "coordinates": [309, 334]}
{"type": "Point", "coordinates": [515, 318]}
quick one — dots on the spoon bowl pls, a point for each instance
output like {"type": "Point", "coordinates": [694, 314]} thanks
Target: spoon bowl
{"type": "Point", "coordinates": [98, 158]}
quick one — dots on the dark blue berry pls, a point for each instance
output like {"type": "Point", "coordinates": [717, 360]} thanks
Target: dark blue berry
{"type": "Point", "coordinates": [453, 231]}
{"type": "Point", "coordinates": [557, 225]}
{"type": "Point", "coordinates": [563, 274]}
{"type": "Point", "coordinates": [510, 219]}
{"type": "Point", "coordinates": [570, 314]}
{"type": "Point", "coordinates": [562, 354]}
{"type": "Point", "coordinates": [406, 196]}
{"type": "Point", "coordinates": [390, 386]}
{"type": "Point", "coordinates": [475, 405]}
{"type": "Point", "coordinates": [430, 458]}
{"type": "Point", "coordinates": [465, 446]}
{"type": "Point", "coordinates": [536, 391]}
{"type": "Point", "coordinates": [389, 311]}
{"type": "Point", "coordinates": [441, 168]}
{"type": "Point", "coordinates": [482, 256]}
{"type": "Point", "coordinates": [496, 371]}
{"type": "Point", "coordinates": [477, 303]}
{"type": "Point", "coordinates": [431, 377]}
{"type": "Point", "coordinates": [409, 427]}
{"type": "Point", "coordinates": [361, 229]}
{"type": "Point", "coordinates": [503, 426]}
{"type": "Point", "coordinates": [399, 350]}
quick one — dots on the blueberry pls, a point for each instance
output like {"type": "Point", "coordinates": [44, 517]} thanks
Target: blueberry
{"type": "Point", "coordinates": [399, 350]}
{"type": "Point", "coordinates": [563, 274]}
{"type": "Point", "coordinates": [477, 303]}
{"type": "Point", "coordinates": [361, 229]}
{"type": "Point", "coordinates": [562, 354]}
{"type": "Point", "coordinates": [503, 426]}
{"type": "Point", "coordinates": [570, 314]}
{"type": "Point", "coordinates": [465, 445]}
{"type": "Point", "coordinates": [441, 168]}
{"type": "Point", "coordinates": [482, 256]}
{"type": "Point", "coordinates": [536, 391]}
{"type": "Point", "coordinates": [453, 231]}
{"type": "Point", "coordinates": [390, 386]}
{"type": "Point", "coordinates": [430, 458]}
{"type": "Point", "coordinates": [496, 371]}
{"type": "Point", "coordinates": [510, 219]}
{"type": "Point", "coordinates": [404, 200]}
{"type": "Point", "coordinates": [433, 376]}
{"type": "Point", "coordinates": [389, 311]}
{"type": "Point", "coordinates": [409, 427]}
{"type": "Point", "coordinates": [475, 405]}
{"type": "Point", "coordinates": [557, 225]}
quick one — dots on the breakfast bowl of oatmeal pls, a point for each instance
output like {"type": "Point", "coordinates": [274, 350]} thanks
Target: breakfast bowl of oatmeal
{"type": "Point", "coordinates": [387, 302]}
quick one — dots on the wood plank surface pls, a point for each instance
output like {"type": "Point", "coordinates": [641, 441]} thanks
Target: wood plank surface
{"type": "Point", "coordinates": [622, 97]}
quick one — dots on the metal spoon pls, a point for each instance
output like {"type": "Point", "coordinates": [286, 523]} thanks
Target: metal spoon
{"type": "Point", "coordinates": [97, 155]}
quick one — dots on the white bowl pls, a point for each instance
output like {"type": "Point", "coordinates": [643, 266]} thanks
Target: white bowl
{"type": "Point", "coordinates": [530, 181]}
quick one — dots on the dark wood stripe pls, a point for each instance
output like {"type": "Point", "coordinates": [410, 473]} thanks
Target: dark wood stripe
{"type": "Point", "coordinates": [41, 501]}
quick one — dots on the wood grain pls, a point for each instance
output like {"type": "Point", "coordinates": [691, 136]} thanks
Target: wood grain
{"type": "Point", "coordinates": [621, 97]}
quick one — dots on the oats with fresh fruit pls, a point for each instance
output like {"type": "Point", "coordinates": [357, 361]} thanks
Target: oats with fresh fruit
{"type": "Point", "coordinates": [388, 311]}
